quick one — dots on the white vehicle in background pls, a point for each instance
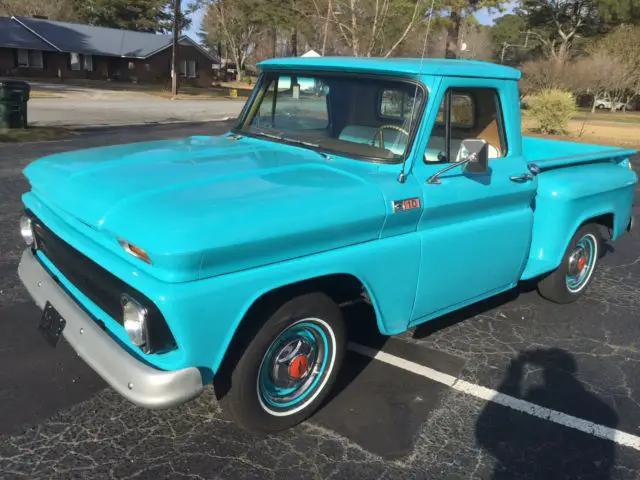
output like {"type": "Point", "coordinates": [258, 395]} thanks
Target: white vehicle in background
{"type": "Point", "coordinates": [603, 104]}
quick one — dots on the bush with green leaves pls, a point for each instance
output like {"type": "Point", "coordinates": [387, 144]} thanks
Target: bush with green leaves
{"type": "Point", "coordinates": [552, 109]}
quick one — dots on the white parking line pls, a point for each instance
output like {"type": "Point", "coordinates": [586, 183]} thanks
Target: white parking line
{"type": "Point", "coordinates": [600, 431]}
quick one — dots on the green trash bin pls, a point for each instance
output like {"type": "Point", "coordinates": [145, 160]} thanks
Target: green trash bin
{"type": "Point", "coordinates": [14, 96]}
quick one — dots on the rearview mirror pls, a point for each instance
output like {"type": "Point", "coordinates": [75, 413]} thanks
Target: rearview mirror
{"type": "Point", "coordinates": [475, 152]}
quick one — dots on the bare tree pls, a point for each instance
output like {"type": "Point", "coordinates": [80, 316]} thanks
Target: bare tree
{"type": "Point", "coordinates": [622, 47]}
{"type": "Point", "coordinates": [235, 24]}
{"type": "Point", "coordinates": [557, 23]}
{"type": "Point", "coordinates": [591, 75]}
{"type": "Point", "coordinates": [545, 74]}
{"type": "Point", "coordinates": [373, 27]}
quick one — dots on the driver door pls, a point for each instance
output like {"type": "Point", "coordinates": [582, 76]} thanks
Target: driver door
{"type": "Point", "coordinates": [475, 230]}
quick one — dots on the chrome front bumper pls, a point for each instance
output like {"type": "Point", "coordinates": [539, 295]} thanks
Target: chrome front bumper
{"type": "Point", "coordinates": [143, 385]}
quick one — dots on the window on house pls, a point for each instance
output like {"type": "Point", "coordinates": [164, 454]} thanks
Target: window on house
{"type": "Point", "coordinates": [30, 58]}
{"type": "Point", "coordinates": [182, 68]}
{"type": "Point", "coordinates": [88, 63]}
{"type": "Point", "coordinates": [191, 69]}
{"type": "Point", "coordinates": [23, 58]}
{"type": "Point", "coordinates": [74, 59]}
{"type": "Point", "coordinates": [35, 59]}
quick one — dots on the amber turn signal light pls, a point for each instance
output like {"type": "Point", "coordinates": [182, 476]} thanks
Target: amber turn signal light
{"type": "Point", "coordinates": [135, 251]}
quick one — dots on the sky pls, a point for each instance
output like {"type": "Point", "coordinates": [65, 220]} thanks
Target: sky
{"type": "Point", "coordinates": [197, 22]}
{"type": "Point", "coordinates": [483, 16]}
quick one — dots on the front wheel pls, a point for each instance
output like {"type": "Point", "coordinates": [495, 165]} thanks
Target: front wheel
{"type": "Point", "coordinates": [573, 276]}
{"type": "Point", "coordinates": [289, 366]}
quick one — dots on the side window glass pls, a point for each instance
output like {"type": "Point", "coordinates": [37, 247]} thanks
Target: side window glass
{"type": "Point", "coordinates": [475, 113]}
{"type": "Point", "coordinates": [462, 111]}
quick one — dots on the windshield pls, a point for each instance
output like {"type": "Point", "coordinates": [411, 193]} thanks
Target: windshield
{"type": "Point", "coordinates": [352, 116]}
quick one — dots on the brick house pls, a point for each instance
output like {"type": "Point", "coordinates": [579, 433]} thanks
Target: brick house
{"type": "Point", "coordinates": [35, 47]}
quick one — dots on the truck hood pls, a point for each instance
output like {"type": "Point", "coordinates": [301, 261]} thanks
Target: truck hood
{"type": "Point", "coordinates": [203, 206]}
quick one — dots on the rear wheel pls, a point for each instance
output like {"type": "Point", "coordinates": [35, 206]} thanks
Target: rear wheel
{"type": "Point", "coordinates": [289, 366]}
{"type": "Point", "coordinates": [575, 273]}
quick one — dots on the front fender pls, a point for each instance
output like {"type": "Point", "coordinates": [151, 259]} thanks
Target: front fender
{"type": "Point", "coordinates": [210, 311]}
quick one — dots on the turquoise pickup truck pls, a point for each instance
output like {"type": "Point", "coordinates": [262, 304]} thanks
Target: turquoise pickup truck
{"type": "Point", "coordinates": [406, 184]}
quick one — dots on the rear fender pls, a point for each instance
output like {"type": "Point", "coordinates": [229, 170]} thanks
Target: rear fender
{"type": "Point", "coordinates": [570, 197]}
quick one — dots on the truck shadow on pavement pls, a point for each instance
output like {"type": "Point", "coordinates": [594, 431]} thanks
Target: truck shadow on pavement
{"type": "Point", "coordinates": [378, 406]}
{"type": "Point", "coordinates": [384, 409]}
{"type": "Point", "coordinates": [525, 446]}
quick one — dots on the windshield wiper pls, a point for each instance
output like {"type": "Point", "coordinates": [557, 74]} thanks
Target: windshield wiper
{"type": "Point", "coordinates": [300, 142]}
{"type": "Point", "coordinates": [269, 135]}
{"type": "Point", "coordinates": [295, 141]}
{"type": "Point", "coordinates": [308, 144]}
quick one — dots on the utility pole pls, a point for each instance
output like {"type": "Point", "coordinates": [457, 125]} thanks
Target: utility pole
{"type": "Point", "coordinates": [453, 33]}
{"type": "Point", "coordinates": [294, 33]}
{"type": "Point", "coordinates": [274, 48]}
{"type": "Point", "coordinates": [326, 29]}
{"type": "Point", "coordinates": [174, 54]}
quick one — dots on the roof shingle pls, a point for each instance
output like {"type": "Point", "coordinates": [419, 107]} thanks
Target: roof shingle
{"type": "Point", "coordinates": [41, 34]}
{"type": "Point", "coordinates": [87, 39]}
{"type": "Point", "coordinates": [14, 35]}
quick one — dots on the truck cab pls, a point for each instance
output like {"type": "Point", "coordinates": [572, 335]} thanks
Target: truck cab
{"type": "Point", "coordinates": [402, 183]}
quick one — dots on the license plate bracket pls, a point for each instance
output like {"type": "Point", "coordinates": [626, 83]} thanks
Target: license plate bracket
{"type": "Point", "coordinates": [51, 325]}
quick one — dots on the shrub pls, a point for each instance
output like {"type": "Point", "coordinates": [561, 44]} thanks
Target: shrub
{"type": "Point", "coordinates": [552, 109]}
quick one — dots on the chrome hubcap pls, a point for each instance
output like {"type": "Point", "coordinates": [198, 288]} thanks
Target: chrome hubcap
{"type": "Point", "coordinates": [577, 261]}
{"type": "Point", "coordinates": [294, 365]}
{"type": "Point", "coordinates": [581, 263]}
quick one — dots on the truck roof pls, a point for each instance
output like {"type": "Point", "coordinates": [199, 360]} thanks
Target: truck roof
{"type": "Point", "coordinates": [396, 66]}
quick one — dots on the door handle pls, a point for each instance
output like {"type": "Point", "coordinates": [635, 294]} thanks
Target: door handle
{"type": "Point", "coordinates": [525, 177]}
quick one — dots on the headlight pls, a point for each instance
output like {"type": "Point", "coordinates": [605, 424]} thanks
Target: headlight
{"type": "Point", "coordinates": [134, 316]}
{"type": "Point", "coordinates": [26, 229]}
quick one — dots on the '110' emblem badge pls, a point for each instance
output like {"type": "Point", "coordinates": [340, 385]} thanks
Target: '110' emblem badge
{"type": "Point", "coordinates": [408, 204]}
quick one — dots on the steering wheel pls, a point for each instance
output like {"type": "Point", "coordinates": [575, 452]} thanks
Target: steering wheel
{"type": "Point", "coordinates": [386, 127]}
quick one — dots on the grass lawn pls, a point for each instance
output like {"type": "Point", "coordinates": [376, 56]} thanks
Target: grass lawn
{"type": "Point", "coordinates": [616, 134]}
{"type": "Point", "coordinates": [33, 134]}
{"type": "Point", "coordinates": [43, 94]}
{"type": "Point", "coordinates": [607, 116]}
{"type": "Point", "coordinates": [186, 93]}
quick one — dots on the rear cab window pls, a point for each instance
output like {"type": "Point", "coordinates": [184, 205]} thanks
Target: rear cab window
{"type": "Point", "coordinates": [396, 104]}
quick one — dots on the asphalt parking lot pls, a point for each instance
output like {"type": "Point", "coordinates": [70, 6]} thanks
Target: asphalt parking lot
{"type": "Point", "coordinates": [445, 400]}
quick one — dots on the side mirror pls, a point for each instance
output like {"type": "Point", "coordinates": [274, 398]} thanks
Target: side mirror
{"type": "Point", "coordinates": [475, 152]}
{"type": "Point", "coordinates": [473, 157]}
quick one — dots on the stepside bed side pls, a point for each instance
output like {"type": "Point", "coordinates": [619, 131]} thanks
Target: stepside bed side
{"type": "Point", "coordinates": [569, 197]}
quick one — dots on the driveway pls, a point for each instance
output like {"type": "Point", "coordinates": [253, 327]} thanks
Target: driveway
{"type": "Point", "coordinates": [114, 109]}
{"type": "Point", "coordinates": [511, 388]}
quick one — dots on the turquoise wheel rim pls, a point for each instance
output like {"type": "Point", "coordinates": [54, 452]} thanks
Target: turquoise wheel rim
{"type": "Point", "coordinates": [581, 263]}
{"type": "Point", "coordinates": [296, 366]}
